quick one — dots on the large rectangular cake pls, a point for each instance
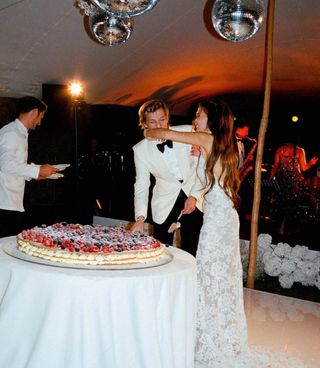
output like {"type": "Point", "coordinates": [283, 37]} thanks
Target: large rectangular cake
{"type": "Point", "coordinates": [89, 244]}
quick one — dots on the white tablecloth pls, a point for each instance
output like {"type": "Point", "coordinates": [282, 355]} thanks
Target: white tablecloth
{"type": "Point", "coordinates": [71, 318]}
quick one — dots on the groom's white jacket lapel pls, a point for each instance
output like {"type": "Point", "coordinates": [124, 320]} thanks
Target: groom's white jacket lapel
{"type": "Point", "coordinates": [149, 160]}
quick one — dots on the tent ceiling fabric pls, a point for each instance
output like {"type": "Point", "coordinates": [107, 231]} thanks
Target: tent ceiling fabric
{"type": "Point", "coordinates": [173, 53]}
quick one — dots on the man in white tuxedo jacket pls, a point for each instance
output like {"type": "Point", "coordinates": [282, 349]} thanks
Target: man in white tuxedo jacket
{"type": "Point", "coordinates": [177, 188]}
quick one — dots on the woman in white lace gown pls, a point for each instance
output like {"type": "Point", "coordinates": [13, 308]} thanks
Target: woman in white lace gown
{"type": "Point", "coordinates": [221, 326]}
{"type": "Point", "coordinates": [221, 336]}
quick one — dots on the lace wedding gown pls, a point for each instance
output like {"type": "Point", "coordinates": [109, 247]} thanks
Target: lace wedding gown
{"type": "Point", "coordinates": [221, 338]}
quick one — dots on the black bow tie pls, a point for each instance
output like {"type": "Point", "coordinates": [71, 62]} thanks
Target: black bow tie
{"type": "Point", "coordinates": [163, 144]}
{"type": "Point", "coordinates": [239, 140]}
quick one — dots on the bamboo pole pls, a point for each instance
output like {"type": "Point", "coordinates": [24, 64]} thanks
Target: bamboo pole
{"type": "Point", "coordinates": [261, 139]}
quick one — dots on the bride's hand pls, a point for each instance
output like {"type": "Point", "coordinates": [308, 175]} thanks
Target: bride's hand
{"type": "Point", "coordinates": [195, 151]}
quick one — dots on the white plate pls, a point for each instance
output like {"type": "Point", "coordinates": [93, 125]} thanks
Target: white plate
{"type": "Point", "coordinates": [55, 176]}
{"type": "Point", "coordinates": [12, 250]}
{"type": "Point", "coordinates": [61, 166]}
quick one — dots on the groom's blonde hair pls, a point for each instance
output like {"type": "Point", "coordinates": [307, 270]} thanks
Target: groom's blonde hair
{"type": "Point", "coordinates": [151, 106]}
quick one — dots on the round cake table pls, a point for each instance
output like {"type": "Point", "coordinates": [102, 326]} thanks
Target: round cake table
{"type": "Point", "coordinates": [57, 317]}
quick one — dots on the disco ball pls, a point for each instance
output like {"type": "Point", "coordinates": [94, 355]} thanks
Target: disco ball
{"type": "Point", "coordinates": [237, 20]}
{"type": "Point", "coordinates": [125, 8]}
{"type": "Point", "coordinates": [110, 30]}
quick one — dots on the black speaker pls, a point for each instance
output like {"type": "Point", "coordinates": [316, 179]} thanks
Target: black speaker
{"type": "Point", "coordinates": [58, 118]}
{"type": "Point", "coordinates": [8, 110]}
{"type": "Point", "coordinates": [55, 94]}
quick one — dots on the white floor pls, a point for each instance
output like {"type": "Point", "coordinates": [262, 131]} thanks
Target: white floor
{"type": "Point", "coordinates": [277, 322]}
{"type": "Point", "coordinates": [284, 324]}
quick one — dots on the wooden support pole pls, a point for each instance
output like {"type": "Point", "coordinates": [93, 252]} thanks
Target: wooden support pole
{"type": "Point", "coordinates": [261, 139]}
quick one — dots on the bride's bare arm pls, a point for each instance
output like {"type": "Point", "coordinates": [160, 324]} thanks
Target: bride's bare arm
{"type": "Point", "coordinates": [197, 138]}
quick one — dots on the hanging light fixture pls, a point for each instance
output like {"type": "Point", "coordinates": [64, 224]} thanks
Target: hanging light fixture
{"type": "Point", "coordinates": [106, 28]}
{"type": "Point", "coordinates": [110, 30]}
{"type": "Point", "coordinates": [109, 20]}
{"type": "Point", "coordinates": [125, 8]}
{"type": "Point", "coordinates": [237, 20]}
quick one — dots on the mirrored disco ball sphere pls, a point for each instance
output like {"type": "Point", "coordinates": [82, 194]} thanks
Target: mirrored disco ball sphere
{"type": "Point", "coordinates": [109, 30]}
{"type": "Point", "coordinates": [126, 8]}
{"type": "Point", "coordinates": [237, 20]}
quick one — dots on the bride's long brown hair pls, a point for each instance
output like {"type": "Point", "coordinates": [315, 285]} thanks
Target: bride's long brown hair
{"type": "Point", "coordinates": [220, 123]}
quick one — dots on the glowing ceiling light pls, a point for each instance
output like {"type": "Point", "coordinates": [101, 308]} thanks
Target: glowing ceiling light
{"type": "Point", "coordinates": [75, 89]}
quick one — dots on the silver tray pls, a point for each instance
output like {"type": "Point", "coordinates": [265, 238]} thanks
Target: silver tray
{"type": "Point", "coordinates": [12, 250]}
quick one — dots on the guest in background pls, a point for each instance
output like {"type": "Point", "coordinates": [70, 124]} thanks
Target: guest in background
{"type": "Point", "coordinates": [14, 169]}
{"type": "Point", "coordinates": [289, 165]}
{"type": "Point", "coordinates": [177, 189]}
{"type": "Point", "coordinates": [246, 149]}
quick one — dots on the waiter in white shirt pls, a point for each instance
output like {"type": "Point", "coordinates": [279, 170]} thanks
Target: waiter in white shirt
{"type": "Point", "coordinates": [177, 189]}
{"type": "Point", "coordinates": [14, 167]}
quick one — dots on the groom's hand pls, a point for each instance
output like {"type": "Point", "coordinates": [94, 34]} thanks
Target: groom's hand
{"type": "Point", "coordinates": [138, 225]}
{"type": "Point", "coordinates": [189, 205]}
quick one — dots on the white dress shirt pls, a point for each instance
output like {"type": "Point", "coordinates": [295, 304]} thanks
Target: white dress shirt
{"type": "Point", "coordinates": [14, 169]}
{"type": "Point", "coordinates": [171, 161]}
